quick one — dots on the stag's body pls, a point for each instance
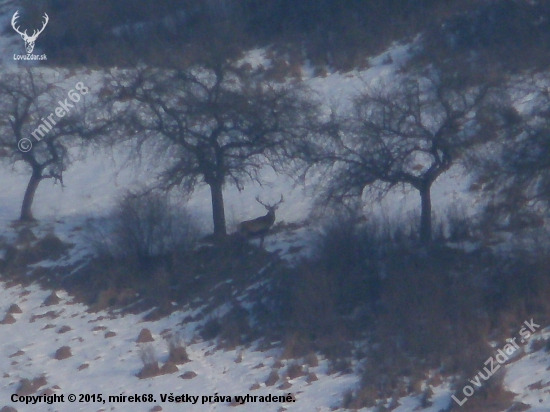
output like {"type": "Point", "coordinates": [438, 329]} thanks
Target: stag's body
{"type": "Point", "coordinates": [260, 226]}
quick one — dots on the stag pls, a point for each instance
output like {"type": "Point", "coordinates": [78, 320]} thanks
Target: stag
{"type": "Point", "coordinates": [260, 226]}
{"type": "Point", "coordinates": [29, 40]}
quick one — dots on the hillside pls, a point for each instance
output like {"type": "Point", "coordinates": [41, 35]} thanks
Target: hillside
{"type": "Point", "coordinates": [407, 266]}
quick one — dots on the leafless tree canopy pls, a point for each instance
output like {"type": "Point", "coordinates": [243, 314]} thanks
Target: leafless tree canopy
{"type": "Point", "coordinates": [515, 170]}
{"type": "Point", "coordinates": [408, 132]}
{"type": "Point", "coordinates": [213, 125]}
{"type": "Point", "coordinates": [27, 98]}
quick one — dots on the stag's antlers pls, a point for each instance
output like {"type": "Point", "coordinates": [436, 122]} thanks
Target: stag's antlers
{"type": "Point", "coordinates": [267, 205]}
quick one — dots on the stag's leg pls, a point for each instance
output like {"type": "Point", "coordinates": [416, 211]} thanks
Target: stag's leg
{"type": "Point", "coordinates": [262, 241]}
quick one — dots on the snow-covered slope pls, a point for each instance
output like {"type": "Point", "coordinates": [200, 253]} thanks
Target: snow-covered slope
{"type": "Point", "coordinates": [107, 347]}
{"type": "Point", "coordinates": [105, 358]}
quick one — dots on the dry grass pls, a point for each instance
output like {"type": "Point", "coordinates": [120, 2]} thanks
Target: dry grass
{"type": "Point", "coordinates": [150, 364]}
{"type": "Point", "coordinates": [28, 386]}
{"type": "Point", "coordinates": [177, 352]}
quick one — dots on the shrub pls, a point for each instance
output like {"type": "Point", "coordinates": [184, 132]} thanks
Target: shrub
{"type": "Point", "coordinates": [455, 225]}
{"type": "Point", "coordinates": [28, 386]}
{"type": "Point", "coordinates": [48, 247]}
{"type": "Point", "coordinates": [177, 352]}
{"type": "Point", "coordinates": [295, 370]}
{"type": "Point", "coordinates": [144, 231]}
{"type": "Point", "coordinates": [63, 352]}
{"type": "Point", "coordinates": [211, 329]}
{"type": "Point", "coordinates": [348, 254]}
{"type": "Point", "coordinates": [422, 308]}
{"type": "Point", "coordinates": [150, 363]}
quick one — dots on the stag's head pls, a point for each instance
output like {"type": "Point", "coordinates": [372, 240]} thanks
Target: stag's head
{"type": "Point", "coordinates": [270, 208]}
{"type": "Point", "coordinates": [29, 40]}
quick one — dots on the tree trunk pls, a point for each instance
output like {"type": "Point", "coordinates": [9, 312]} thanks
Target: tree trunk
{"type": "Point", "coordinates": [26, 207]}
{"type": "Point", "coordinates": [426, 214]}
{"type": "Point", "coordinates": [218, 211]}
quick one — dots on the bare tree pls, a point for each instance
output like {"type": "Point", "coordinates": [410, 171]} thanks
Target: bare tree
{"type": "Point", "coordinates": [515, 170]}
{"type": "Point", "coordinates": [214, 124]}
{"type": "Point", "coordinates": [40, 125]}
{"type": "Point", "coordinates": [405, 133]}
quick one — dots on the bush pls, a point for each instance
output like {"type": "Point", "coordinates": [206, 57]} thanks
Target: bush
{"type": "Point", "coordinates": [49, 247]}
{"type": "Point", "coordinates": [422, 308]}
{"type": "Point", "coordinates": [145, 230]}
{"type": "Point", "coordinates": [333, 295]}
{"type": "Point", "coordinates": [150, 364]}
{"type": "Point", "coordinates": [348, 255]}
{"type": "Point", "coordinates": [177, 352]}
{"type": "Point", "coordinates": [455, 225]}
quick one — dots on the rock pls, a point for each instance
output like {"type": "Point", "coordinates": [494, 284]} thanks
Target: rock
{"type": "Point", "coordinates": [169, 367]}
{"type": "Point", "coordinates": [50, 314]}
{"type": "Point", "coordinates": [312, 377]}
{"type": "Point", "coordinates": [26, 386]}
{"type": "Point", "coordinates": [295, 371]}
{"type": "Point", "coordinates": [64, 329]}
{"type": "Point", "coordinates": [188, 375]}
{"type": "Point", "coordinates": [63, 352]}
{"type": "Point", "coordinates": [285, 385]}
{"type": "Point", "coordinates": [149, 370]}
{"type": "Point", "coordinates": [312, 360]}
{"type": "Point", "coordinates": [145, 336]}
{"type": "Point", "coordinates": [14, 308]}
{"type": "Point", "coordinates": [178, 355]}
{"type": "Point", "coordinates": [18, 353]}
{"type": "Point", "coordinates": [8, 319]}
{"type": "Point", "coordinates": [53, 299]}
{"type": "Point", "coordinates": [278, 364]}
{"type": "Point", "coordinates": [272, 378]}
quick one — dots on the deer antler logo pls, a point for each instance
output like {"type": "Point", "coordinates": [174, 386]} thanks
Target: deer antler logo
{"type": "Point", "coordinates": [29, 40]}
